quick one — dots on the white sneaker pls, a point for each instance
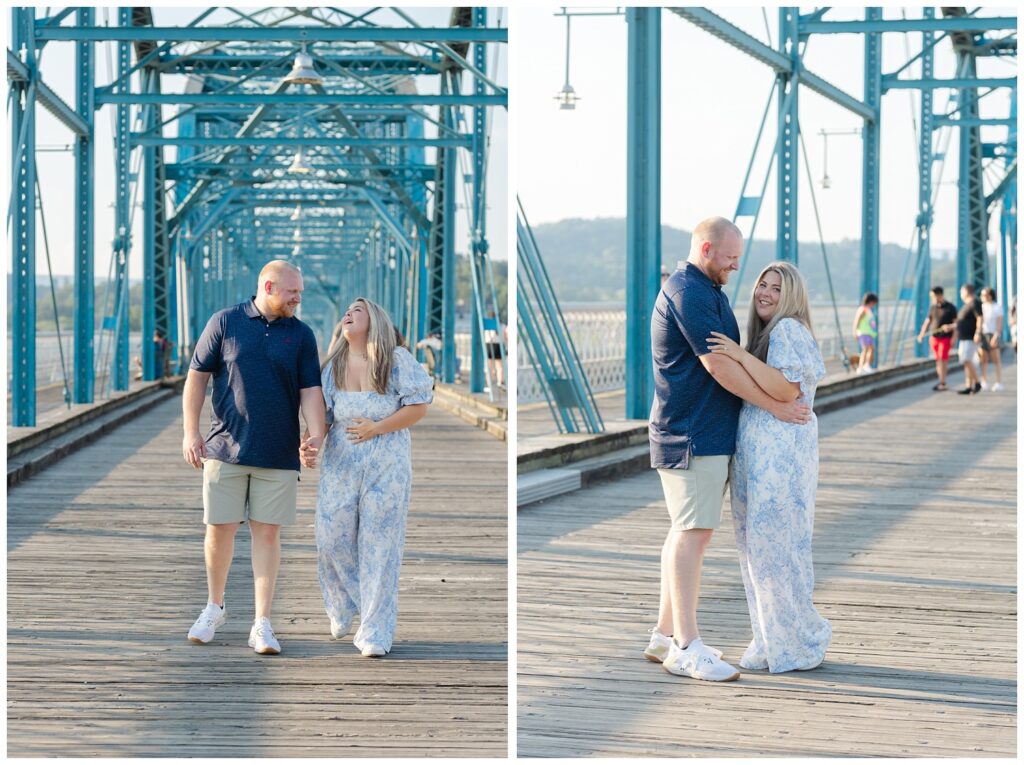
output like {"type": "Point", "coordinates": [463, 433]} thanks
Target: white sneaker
{"type": "Point", "coordinates": [997, 387]}
{"type": "Point", "coordinates": [339, 630]}
{"type": "Point", "coordinates": [212, 617]}
{"type": "Point", "coordinates": [262, 637]}
{"type": "Point", "coordinates": [698, 662]}
{"type": "Point", "coordinates": [984, 385]}
{"type": "Point", "coordinates": [657, 649]}
{"type": "Point", "coordinates": [373, 650]}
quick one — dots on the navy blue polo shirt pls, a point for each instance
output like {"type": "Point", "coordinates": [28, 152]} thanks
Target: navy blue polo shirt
{"type": "Point", "coordinates": [258, 369]}
{"type": "Point", "coordinates": [690, 408]}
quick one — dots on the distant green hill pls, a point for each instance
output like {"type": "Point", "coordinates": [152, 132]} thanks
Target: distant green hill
{"type": "Point", "coordinates": [586, 260]}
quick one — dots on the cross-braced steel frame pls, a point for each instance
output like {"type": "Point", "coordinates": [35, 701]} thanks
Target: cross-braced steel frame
{"type": "Point", "coordinates": [972, 37]}
{"type": "Point", "coordinates": [352, 173]}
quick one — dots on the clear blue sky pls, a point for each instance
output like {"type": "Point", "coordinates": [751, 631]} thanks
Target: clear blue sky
{"type": "Point", "coordinates": [573, 163]}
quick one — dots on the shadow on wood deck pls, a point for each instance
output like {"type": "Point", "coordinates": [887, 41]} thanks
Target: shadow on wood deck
{"type": "Point", "coordinates": [105, 575]}
{"type": "Point", "coordinates": [915, 559]}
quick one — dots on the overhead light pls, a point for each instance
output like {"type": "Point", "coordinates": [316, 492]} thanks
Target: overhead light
{"type": "Point", "coordinates": [296, 251]}
{"type": "Point", "coordinates": [299, 165]}
{"type": "Point", "coordinates": [303, 72]}
{"type": "Point", "coordinates": [297, 215]}
{"type": "Point", "coordinates": [297, 236]}
{"type": "Point", "coordinates": [567, 97]}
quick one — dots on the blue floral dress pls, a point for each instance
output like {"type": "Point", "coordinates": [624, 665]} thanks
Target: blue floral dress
{"type": "Point", "coordinates": [773, 479]}
{"type": "Point", "coordinates": [363, 501]}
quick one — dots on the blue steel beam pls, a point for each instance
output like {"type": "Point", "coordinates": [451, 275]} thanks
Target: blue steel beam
{"type": "Point", "coordinates": [929, 83]}
{"type": "Point", "coordinates": [871, 134]}
{"type": "Point", "coordinates": [120, 367]}
{"type": "Point", "coordinates": [205, 63]}
{"type": "Point", "coordinates": [85, 309]}
{"type": "Point", "coordinates": [23, 227]}
{"type": "Point", "coordinates": [961, 24]}
{"type": "Point", "coordinates": [478, 220]}
{"type": "Point", "coordinates": [925, 214]}
{"type": "Point", "coordinates": [141, 139]}
{"type": "Point", "coordinates": [780, 63]}
{"type": "Point", "coordinates": [643, 202]}
{"type": "Point", "coordinates": [971, 121]}
{"type": "Point", "coordinates": [787, 179]}
{"type": "Point", "coordinates": [281, 33]}
{"type": "Point", "coordinates": [298, 99]}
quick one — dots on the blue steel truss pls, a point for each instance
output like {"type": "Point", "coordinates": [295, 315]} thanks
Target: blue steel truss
{"type": "Point", "coordinates": [971, 36]}
{"type": "Point", "coordinates": [353, 178]}
{"type": "Point", "coordinates": [547, 342]}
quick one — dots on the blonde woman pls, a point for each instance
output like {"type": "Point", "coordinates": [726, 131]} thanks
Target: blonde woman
{"type": "Point", "coordinates": [774, 476]}
{"type": "Point", "coordinates": [374, 390]}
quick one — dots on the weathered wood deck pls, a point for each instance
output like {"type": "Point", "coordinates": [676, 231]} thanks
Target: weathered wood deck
{"type": "Point", "coordinates": [105, 576]}
{"type": "Point", "coordinates": [915, 558]}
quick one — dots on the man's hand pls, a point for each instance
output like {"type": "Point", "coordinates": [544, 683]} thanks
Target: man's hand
{"type": "Point", "coordinates": [193, 448]}
{"type": "Point", "coordinates": [309, 450]}
{"type": "Point", "coordinates": [794, 412]}
{"type": "Point", "coordinates": [361, 430]}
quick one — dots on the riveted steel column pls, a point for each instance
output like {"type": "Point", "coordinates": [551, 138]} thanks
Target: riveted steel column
{"type": "Point", "coordinates": [478, 219]}
{"type": "Point", "coordinates": [972, 229]}
{"type": "Point", "coordinates": [643, 202]}
{"type": "Point", "coordinates": [149, 235]}
{"type": "Point", "coordinates": [870, 177]}
{"type": "Point", "coordinates": [23, 225]}
{"type": "Point", "coordinates": [85, 310]}
{"type": "Point", "coordinates": [786, 243]}
{"type": "Point", "coordinates": [923, 278]}
{"type": "Point", "coordinates": [121, 362]}
{"type": "Point", "coordinates": [448, 265]}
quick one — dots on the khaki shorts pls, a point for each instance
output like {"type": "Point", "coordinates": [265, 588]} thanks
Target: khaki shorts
{"type": "Point", "coordinates": [237, 493]}
{"type": "Point", "coordinates": [694, 496]}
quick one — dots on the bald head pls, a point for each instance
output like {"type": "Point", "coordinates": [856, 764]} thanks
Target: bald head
{"type": "Point", "coordinates": [716, 248]}
{"type": "Point", "coordinates": [279, 291]}
{"type": "Point", "coordinates": [274, 269]}
{"type": "Point", "coordinates": [715, 230]}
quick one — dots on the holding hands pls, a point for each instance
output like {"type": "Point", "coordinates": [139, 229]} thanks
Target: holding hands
{"type": "Point", "coordinates": [308, 451]}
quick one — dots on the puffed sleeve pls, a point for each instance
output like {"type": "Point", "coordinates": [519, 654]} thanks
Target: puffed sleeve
{"type": "Point", "coordinates": [409, 380]}
{"type": "Point", "coordinates": [793, 351]}
{"type": "Point", "coordinates": [327, 386]}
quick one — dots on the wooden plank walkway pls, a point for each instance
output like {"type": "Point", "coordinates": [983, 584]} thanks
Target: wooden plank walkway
{"type": "Point", "coordinates": [105, 575]}
{"type": "Point", "coordinates": [915, 558]}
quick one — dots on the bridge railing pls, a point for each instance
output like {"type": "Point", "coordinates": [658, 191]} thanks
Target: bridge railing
{"type": "Point", "coordinates": [600, 337]}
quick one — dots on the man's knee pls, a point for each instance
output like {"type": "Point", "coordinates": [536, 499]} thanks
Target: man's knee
{"type": "Point", "coordinates": [221, 532]}
{"type": "Point", "coordinates": [264, 532]}
{"type": "Point", "coordinates": [691, 538]}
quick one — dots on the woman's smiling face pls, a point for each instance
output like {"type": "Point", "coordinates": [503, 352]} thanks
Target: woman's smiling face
{"type": "Point", "coordinates": [356, 320]}
{"type": "Point", "coordinates": [766, 295]}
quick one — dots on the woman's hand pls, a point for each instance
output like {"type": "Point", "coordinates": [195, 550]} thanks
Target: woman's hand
{"type": "Point", "coordinates": [725, 345]}
{"type": "Point", "coordinates": [361, 430]}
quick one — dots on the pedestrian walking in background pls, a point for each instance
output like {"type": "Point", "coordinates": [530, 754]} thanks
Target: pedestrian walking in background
{"type": "Point", "coordinates": [865, 327]}
{"type": "Point", "coordinates": [968, 335]}
{"type": "Point", "coordinates": [991, 339]}
{"type": "Point", "coordinates": [939, 325]}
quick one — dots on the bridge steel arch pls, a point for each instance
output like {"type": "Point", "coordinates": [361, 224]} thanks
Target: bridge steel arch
{"type": "Point", "coordinates": [348, 171]}
{"type": "Point", "coordinates": [972, 37]}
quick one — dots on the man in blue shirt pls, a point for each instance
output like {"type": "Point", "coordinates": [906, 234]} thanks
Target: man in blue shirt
{"type": "Point", "coordinates": [697, 400]}
{"type": "Point", "coordinates": [265, 368]}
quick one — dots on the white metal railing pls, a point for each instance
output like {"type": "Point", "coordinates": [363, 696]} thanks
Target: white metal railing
{"type": "Point", "coordinates": [599, 334]}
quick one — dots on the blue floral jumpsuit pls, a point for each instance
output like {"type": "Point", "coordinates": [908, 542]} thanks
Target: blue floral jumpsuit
{"type": "Point", "coordinates": [363, 501]}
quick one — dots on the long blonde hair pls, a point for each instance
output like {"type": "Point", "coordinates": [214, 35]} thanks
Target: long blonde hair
{"type": "Point", "coordinates": [381, 341]}
{"type": "Point", "coordinates": [793, 304]}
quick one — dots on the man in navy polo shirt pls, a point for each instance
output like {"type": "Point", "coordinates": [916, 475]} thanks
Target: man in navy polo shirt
{"type": "Point", "coordinates": [265, 368]}
{"type": "Point", "coordinates": [697, 401]}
